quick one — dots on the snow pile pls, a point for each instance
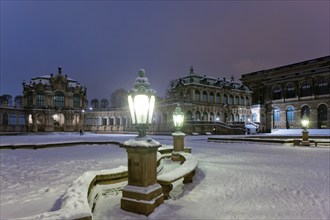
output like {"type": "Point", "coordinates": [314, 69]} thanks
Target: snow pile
{"type": "Point", "coordinates": [74, 203]}
{"type": "Point", "coordinates": [187, 167]}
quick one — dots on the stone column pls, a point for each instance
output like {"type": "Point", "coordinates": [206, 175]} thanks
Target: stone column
{"type": "Point", "coordinates": [178, 145]}
{"type": "Point", "coordinates": [142, 194]}
{"type": "Point", "coordinates": [305, 141]}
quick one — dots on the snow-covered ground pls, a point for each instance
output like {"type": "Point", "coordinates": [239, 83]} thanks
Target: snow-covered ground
{"type": "Point", "coordinates": [233, 180]}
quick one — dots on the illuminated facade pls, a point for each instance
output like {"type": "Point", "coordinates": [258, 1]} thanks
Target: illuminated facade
{"type": "Point", "coordinates": [209, 104]}
{"type": "Point", "coordinates": [274, 99]}
{"type": "Point", "coordinates": [282, 95]}
{"type": "Point", "coordinates": [54, 103]}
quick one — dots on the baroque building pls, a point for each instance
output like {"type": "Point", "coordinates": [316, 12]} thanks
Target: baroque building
{"type": "Point", "coordinates": [209, 104]}
{"type": "Point", "coordinates": [283, 95]}
{"type": "Point", "coordinates": [54, 103]}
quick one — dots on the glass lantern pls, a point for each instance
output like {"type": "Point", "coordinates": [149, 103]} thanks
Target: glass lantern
{"type": "Point", "coordinates": [141, 101]}
{"type": "Point", "coordinates": [178, 118]}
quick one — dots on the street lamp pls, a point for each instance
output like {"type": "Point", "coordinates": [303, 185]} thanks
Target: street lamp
{"type": "Point", "coordinates": [142, 194]}
{"type": "Point", "coordinates": [178, 136]}
{"type": "Point", "coordinates": [141, 100]}
{"type": "Point", "coordinates": [304, 124]}
{"type": "Point", "coordinates": [178, 118]}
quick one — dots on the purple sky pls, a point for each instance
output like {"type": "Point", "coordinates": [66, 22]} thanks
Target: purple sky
{"type": "Point", "coordinates": [102, 44]}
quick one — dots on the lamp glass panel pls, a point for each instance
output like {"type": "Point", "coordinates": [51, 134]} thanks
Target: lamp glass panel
{"type": "Point", "coordinates": [151, 108]}
{"type": "Point", "coordinates": [131, 108]}
{"type": "Point", "coordinates": [305, 122]}
{"type": "Point", "coordinates": [178, 120]}
{"type": "Point", "coordinates": [141, 105]}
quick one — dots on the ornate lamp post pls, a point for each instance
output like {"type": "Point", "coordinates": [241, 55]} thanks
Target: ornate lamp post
{"type": "Point", "coordinates": [142, 194]}
{"type": "Point", "coordinates": [304, 124]}
{"type": "Point", "coordinates": [178, 136]}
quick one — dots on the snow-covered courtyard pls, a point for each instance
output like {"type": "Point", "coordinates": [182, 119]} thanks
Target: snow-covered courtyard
{"type": "Point", "coordinates": [239, 180]}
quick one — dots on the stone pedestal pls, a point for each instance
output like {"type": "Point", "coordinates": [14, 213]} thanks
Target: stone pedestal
{"type": "Point", "coordinates": [142, 194]}
{"type": "Point", "coordinates": [178, 145]}
{"type": "Point", "coordinates": [305, 141]}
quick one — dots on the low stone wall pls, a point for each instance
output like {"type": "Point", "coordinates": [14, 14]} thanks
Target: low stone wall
{"type": "Point", "coordinates": [78, 201]}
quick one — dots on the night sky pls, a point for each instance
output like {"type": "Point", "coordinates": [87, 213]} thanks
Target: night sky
{"type": "Point", "coordinates": [103, 44]}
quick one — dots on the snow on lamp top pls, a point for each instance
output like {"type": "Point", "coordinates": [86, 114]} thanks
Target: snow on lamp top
{"type": "Point", "coordinates": [141, 100]}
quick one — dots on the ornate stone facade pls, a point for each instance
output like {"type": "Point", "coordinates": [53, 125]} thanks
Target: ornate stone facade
{"type": "Point", "coordinates": [209, 104]}
{"type": "Point", "coordinates": [282, 95]}
{"type": "Point", "coordinates": [54, 103]}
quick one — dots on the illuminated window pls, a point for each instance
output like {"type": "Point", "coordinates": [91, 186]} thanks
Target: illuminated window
{"type": "Point", "coordinates": [290, 114]}
{"type": "Point", "coordinates": [276, 114]}
{"type": "Point", "coordinates": [254, 117]}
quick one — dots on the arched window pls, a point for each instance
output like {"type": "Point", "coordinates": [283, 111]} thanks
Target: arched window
{"type": "Point", "coordinates": [231, 117]}
{"type": "Point", "coordinates": [118, 120]}
{"type": "Point", "coordinates": [218, 117]}
{"type": "Point", "coordinates": [211, 97]}
{"type": "Point", "coordinates": [230, 100]}
{"type": "Point", "coordinates": [290, 90]}
{"type": "Point", "coordinates": [262, 118]}
{"type": "Point", "coordinates": [322, 116]}
{"type": "Point", "coordinates": [40, 98]}
{"type": "Point", "coordinates": [197, 116]}
{"type": "Point", "coordinates": [188, 95]}
{"type": "Point", "coordinates": [5, 119]}
{"type": "Point", "coordinates": [243, 118]}
{"type": "Point", "coordinates": [188, 116]}
{"type": "Point", "coordinates": [277, 93]}
{"type": "Point", "coordinates": [197, 95]}
{"type": "Point", "coordinates": [254, 117]}
{"type": "Point", "coordinates": [289, 117]}
{"type": "Point", "coordinates": [76, 101]}
{"type": "Point", "coordinates": [59, 99]}
{"type": "Point", "coordinates": [305, 89]}
{"type": "Point", "coordinates": [242, 100]}
{"type": "Point", "coordinates": [322, 87]}
{"type": "Point", "coordinates": [305, 110]}
{"type": "Point", "coordinates": [236, 117]}
{"type": "Point", "coordinates": [29, 99]}
{"type": "Point", "coordinates": [225, 97]}
{"type": "Point", "coordinates": [111, 121]}
{"type": "Point", "coordinates": [205, 117]}
{"type": "Point", "coordinates": [276, 117]}
{"type": "Point", "coordinates": [205, 97]}
{"type": "Point", "coordinates": [217, 98]}
{"type": "Point", "coordinates": [124, 122]}
{"type": "Point", "coordinates": [247, 101]}
{"type": "Point", "coordinates": [212, 116]}
{"type": "Point", "coordinates": [104, 121]}
{"type": "Point", "coordinates": [226, 117]}
{"type": "Point", "coordinates": [236, 100]}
